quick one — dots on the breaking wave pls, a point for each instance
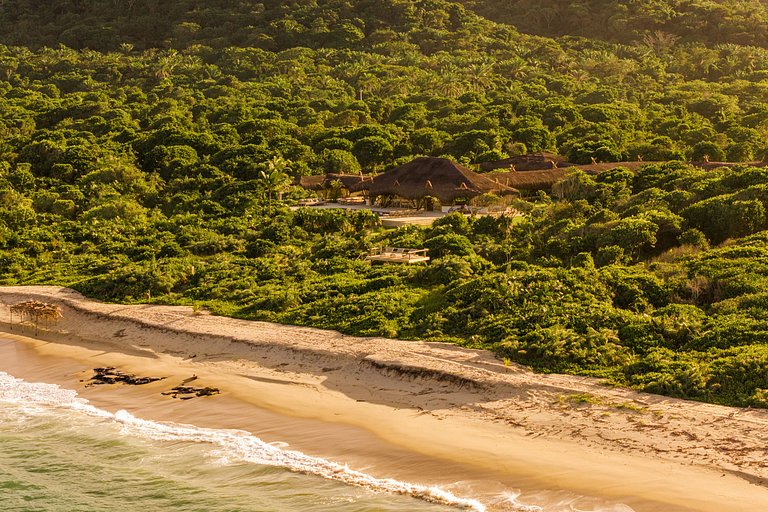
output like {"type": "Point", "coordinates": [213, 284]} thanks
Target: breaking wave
{"type": "Point", "coordinates": [230, 445]}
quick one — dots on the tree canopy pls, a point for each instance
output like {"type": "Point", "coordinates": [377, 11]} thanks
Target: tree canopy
{"type": "Point", "coordinates": [148, 149]}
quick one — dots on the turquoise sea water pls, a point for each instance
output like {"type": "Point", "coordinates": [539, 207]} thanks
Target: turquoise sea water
{"type": "Point", "coordinates": [59, 453]}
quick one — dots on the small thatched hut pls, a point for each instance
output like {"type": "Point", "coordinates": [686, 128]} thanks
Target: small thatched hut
{"type": "Point", "coordinates": [426, 177]}
{"type": "Point", "coordinates": [325, 181]}
{"type": "Point", "coordinates": [33, 311]}
{"type": "Point", "coordinates": [530, 162]}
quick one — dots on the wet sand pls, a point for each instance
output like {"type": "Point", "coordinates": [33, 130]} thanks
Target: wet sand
{"type": "Point", "coordinates": [419, 412]}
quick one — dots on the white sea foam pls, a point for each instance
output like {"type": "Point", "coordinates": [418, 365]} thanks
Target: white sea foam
{"type": "Point", "coordinates": [229, 445]}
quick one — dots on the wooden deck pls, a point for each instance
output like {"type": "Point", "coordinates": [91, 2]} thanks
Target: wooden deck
{"type": "Point", "coordinates": [397, 255]}
{"type": "Point", "coordinates": [414, 220]}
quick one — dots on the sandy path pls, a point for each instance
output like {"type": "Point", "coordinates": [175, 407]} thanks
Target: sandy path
{"type": "Point", "coordinates": [437, 402]}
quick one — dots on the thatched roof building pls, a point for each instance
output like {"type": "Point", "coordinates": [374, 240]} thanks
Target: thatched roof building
{"type": "Point", "coordinates": [435, 177]}
{"type": "Point", "coordinates": [634, 166]}
{"type": "Point", "coordinates": [547, 161]}
{"type": "Point", "coordinates": [324, 181]}
{"type": "Point", "coordinates": [716, 165]}
{"type": "Point", "coordinates": [529, 180]}
{"type": "Point", "coordinates": [545, 179]}
{"type": "Point", "coordinates": [530, 162]}
{"type": "Point", "coordinates": [314, 182]}
{"type": "Point", "coordinates": [599, 167]}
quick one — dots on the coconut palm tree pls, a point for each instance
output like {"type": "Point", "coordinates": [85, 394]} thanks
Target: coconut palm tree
{"type": "Point", "coordinates": [274, 179]}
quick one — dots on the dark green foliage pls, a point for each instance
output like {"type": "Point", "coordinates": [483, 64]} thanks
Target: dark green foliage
{"type": "Point", "coordinates": [723, 217]}
{"type": "Point", "coordinates": [450, 243]}
{"type": "Point", "coordinates": [153, 162]}
{"type": "Point", "coordinates": [706, 150]}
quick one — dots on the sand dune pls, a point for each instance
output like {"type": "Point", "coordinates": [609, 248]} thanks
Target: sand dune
{"type": "Point", "coordinates": [411, 409]}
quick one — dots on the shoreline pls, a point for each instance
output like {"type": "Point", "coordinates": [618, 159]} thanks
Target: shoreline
{"type": "Point", "coordinates": [409, 410]}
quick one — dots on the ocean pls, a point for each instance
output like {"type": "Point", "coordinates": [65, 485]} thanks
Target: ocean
{"type": "Point", "coordinates": [58, 453]}
{"type": "Point", "coordinates": [61, 453]}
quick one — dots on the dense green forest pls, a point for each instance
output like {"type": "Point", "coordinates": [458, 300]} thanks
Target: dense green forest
{"type": "Point", "coordinates": [144, 145]}
{"type": "Point", "coordinates": [666, 22]}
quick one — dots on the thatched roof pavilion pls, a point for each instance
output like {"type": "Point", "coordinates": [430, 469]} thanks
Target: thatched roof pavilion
{"type": "Point", "coordinates": [530, 162]}
{"type": "Point", "coordinates": [433, 177]}
{"type": "Point", "coordinates": [34, 311]}
{"type": "Point", "coordinates": [529, 180]}
{"type": "Point", "coordinates": [310, 182]}
{"type": "Point", "coordinates": [323, 181]}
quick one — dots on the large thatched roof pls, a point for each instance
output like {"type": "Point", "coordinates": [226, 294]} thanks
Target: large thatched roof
{"type": "Point", "coordinates": [323, 181]}
{"type": "Point", "coordinates": [529, 162]}
{"type": "Point", "coordinates": [436, 177]}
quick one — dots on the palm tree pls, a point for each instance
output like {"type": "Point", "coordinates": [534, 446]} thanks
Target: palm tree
{"type": "Point", "coordinates": [8, 66]}
{"type": "Point", "coordinates": [397, 86]}
{"type": "Point", "coordinates": [167, 63]}
{"type": "Point", "coordinates": [481, 76]}
{"type": "Point", "coordinates": [660, 42]}
{"type": "Point", "coordinates": [334, 192]}
{"type": "Point", "coordinates": [274, 179]}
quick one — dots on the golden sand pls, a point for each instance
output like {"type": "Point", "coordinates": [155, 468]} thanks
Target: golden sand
{"type": "Point", "coordinates": [421, 412]}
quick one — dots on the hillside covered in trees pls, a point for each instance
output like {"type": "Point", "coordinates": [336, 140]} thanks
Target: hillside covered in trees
{"type": "Point", "coordinates": [741, 22]}
{"type": "Point", "coordinates": [143, 145]}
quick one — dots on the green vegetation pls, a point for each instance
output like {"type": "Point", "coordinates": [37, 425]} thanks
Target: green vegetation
{"type": "Point", "coordinates": [664, 24]}
{"type": "Point", "coordinates": [150, 157]}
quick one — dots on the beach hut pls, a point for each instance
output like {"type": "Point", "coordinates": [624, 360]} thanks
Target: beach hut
{"type": "Point", "coordinates": [426, 177]}
{"type": "Point", "coordinates": [34, 311]}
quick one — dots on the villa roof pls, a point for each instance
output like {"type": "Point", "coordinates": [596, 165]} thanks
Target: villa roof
{"type": "Point", "coordinates": [323, 181]}
{"type": "Point", "coordinates": [530, 162]}
{"type": "Point", "coordinates": [436, 177]}
{"type": "Point", "coordinates": [529, 180]}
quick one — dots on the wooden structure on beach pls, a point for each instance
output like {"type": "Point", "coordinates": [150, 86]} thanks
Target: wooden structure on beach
{"type": "Point", "coordinates": [397, 255]}
{"type": "Point", "coordinates": [34, 311]}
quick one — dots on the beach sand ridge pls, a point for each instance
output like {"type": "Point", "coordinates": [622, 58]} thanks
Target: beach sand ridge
{"type": "Point", "coordinates": [436, 399]}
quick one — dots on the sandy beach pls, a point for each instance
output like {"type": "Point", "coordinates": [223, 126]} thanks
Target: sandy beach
{"type": "Point", "coordinates": [425, 412]}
